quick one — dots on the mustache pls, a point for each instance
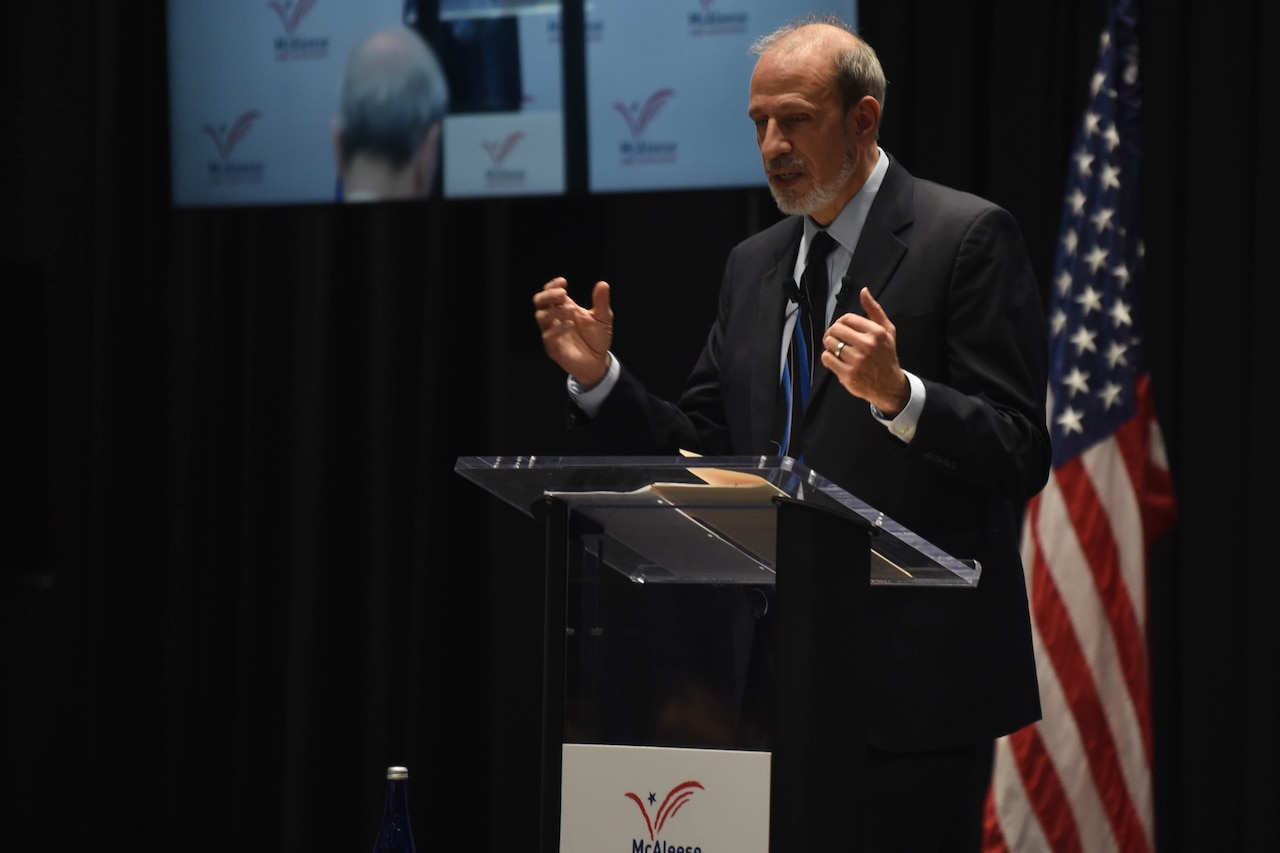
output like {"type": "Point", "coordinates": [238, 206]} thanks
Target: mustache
{"type": "Point", "coordinates": [778, 164]}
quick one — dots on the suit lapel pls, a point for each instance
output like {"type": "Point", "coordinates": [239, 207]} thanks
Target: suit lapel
{"type": "Point", "coordinates": [770, 311]}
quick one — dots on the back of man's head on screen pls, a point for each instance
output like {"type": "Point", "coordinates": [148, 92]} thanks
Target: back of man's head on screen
{"type": "Point", "coordinates": [390, 116]}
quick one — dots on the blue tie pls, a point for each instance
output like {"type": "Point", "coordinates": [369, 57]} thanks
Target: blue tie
{"type": "Point", "coordinates": [811, 321]}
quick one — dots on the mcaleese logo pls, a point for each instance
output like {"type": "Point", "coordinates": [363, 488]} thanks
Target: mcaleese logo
{"type": "Point", "coordinates": [709, 22]}
{"type": "Point", "coordinates": [638, 150]}
{"type": "Point", "coordinates": [675, 800]}
{"type": "Point", "coordinates": [499, 176]}
{"type": "Point", "coordinates": [226, 169]}
{"type": "Point", "coordinates": [638, 846]}
{"type": "Point", "coordinates": [292, 45]}
{"type": "Point", "coordinates": [594, 30]}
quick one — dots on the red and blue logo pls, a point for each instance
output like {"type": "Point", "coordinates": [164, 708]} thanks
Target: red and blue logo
{"type": "Point", "coordinates": [638, 149]}
{"type": "Point", "coordinates": [673, 802]}
{"type": "Point", "coordinates": [293, 45]}
{"type": "Point", "coordinates": [291, 14]}
{"type": "Point", "coordinates": [499, 176]}
{"type": "Point", "coordinates": [226, 169]}
{"type": "Point", "coordinates": [498, 150]}
{"type": "Point", "coordinates": [638, 116]}
{"type": "Point", "coordinates": [225, 138]}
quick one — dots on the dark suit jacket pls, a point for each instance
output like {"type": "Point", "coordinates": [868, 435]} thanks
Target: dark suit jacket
{"type": "Point", "coordinates": [951, 271]}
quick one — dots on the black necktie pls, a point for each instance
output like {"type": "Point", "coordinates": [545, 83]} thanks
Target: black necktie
{"type": "Point", "coordinates": [806, 340]}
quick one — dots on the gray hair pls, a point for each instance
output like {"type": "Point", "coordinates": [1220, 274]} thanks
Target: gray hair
{"type": "Point", "coordinates": [858, 69]}
{"type": "Point", "coordinates": [393, 91]}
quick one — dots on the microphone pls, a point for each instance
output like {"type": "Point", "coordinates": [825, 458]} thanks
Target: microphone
{"type": "Point", "coordinates": [795, 294]}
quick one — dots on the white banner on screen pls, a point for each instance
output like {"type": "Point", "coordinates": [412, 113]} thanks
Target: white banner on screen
{"type": "Point", "coordinates": [503, 154]}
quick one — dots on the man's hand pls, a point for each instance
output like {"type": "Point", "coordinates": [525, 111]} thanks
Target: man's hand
{"type": "Point", "coordinates": [867, 365]}
{"type": "Point", "coordinates": [576, 339]}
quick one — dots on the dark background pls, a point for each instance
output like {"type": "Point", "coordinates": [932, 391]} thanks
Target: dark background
{"type": "Point", "coordinates": [239, 576]}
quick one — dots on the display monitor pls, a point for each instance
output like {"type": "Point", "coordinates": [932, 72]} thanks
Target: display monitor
{"type": "Point", "coordinates": [328, 101]}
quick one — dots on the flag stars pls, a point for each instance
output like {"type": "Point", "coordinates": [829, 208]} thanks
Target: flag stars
{"type": "Point", "coordinates": [1083, 340]}
{"type": "Point", "coordinates": [1077, 380]}
{"type": "Point", "coordinates": [1094, 345]}
{"type": "Point", "coordinates": [1076, 201]}
{"type": "Point", "coordinates": [1115, 354]}
{"type": "Point", "coordinates": [1064, 282]}
{"type": "Point", "coordinates": [1069, 242]}
{"type": "Point", "coordinates": [1110, 176]}
{"type": "Point", "coordinates": [1096, 258]}
{"type": "Point", "coordinates": [1102, 219]}
{"type": "Point", "coordinates": [1058, 322]}
{"type": "Point", "coordinates": [1084, 162]}
{"type": "Point", "coordinates": [1110, 395]}
{"type": "Point", "coordinates": [1112, 136]}
{"type": "Point", "coordinates": [1071, 421]}
{"type": "Point", "coordinates": [1120, 314]}
{"type": "Point", "coordinates": [1090, 300]}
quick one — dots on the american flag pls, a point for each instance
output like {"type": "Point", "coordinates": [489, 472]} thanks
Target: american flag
{"type": "Point", "coordinates": [1080, 779]}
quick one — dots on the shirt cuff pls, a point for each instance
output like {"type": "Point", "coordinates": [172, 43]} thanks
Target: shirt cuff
{"type": "Point", "coordinates": [591, 401]}
{"type": "Point", "coordinates": [904, 425]}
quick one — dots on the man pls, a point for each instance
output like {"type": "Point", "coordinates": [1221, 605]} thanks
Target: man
{"type": "Point", "coordinates": [391, 112]}
{"type": "Point", "coordinates": [928, 403]}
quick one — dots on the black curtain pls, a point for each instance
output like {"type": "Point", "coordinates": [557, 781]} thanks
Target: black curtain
{"type": "Point", "coordinates": [242, 578]}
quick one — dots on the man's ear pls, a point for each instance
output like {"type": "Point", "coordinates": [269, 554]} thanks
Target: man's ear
{"type": "Point", "coordinates": [863, 119]}
{"type": "Point", "coordinates": [426, 160]}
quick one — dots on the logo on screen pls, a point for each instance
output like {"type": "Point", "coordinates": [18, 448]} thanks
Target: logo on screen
{"type": "Point", "coordinates": [292, 45]}
{"type": "Point", "coordinates": [499, 176]}
{"type": "Point", "coordinates": [227, 169]}
{"type": "Point", "coordinates": [638, 149]}
{"type": "Point", "coordinates": [675, 800]}
{"type": "Point", "coordinates": [709, 22]}
{"type": "Point", "coordinates": [594, 30]}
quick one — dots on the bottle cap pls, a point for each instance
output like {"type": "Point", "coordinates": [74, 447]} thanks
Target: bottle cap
{"type": "Point", "coordinates": [398, 773]}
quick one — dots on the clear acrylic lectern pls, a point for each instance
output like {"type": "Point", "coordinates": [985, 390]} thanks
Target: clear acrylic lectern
{"type": "Point", "coordinates": [712, 605]}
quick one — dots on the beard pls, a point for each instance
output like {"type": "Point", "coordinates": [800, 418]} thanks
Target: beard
{"type": "Point", "coordinates": [819, 195]}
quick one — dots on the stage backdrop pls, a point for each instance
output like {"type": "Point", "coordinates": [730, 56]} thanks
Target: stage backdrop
{"type": "Point", "coordinates": [245, 578]}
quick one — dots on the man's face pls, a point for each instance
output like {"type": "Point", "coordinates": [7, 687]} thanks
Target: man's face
{"type": "Point", "coordinates": [808, 153]}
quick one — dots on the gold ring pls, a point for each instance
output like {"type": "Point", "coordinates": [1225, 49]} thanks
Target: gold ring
{"type": "Point", "coordinates": [839, 349]}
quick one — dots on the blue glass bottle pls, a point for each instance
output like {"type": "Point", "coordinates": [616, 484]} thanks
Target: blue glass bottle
{"type": "Point", "coordinates": [394, 834]}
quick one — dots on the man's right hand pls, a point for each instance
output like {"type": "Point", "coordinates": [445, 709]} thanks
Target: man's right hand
{"type": "Point", "coordinates": [577, 339]}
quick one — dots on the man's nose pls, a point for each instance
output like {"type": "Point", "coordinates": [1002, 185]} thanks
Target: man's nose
{"type": "Point", "coordinates": [773, 142]}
